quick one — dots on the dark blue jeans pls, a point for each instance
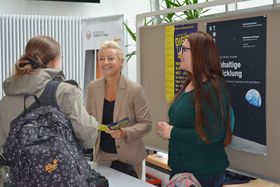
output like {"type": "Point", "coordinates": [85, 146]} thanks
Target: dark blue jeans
{"type": "Point", "coordinates": [215, 181]}
{"type": "Point", "coordinates": [124, 167]}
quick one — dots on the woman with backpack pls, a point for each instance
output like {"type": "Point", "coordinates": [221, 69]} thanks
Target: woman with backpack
{"type": "Point", "coordinates": [39, 64]}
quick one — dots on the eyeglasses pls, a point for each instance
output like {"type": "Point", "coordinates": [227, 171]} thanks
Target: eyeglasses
{"type": "Point", "coordinates": [184, 49]}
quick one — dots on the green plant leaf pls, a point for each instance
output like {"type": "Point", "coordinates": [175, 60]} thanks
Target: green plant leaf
{"type": "Point", "coordinates": [129, 55]}
{"type": "Point", "coordinates": [169, 18]}
{"type": "Point", "coordinates": [130, 32]}
{"type": "Point", "coordinates": [172, 4]}
{"type": "Point", "coordinates": [150, 22]}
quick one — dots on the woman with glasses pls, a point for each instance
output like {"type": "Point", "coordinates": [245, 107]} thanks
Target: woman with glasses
{"type": "Point", "coordinates": [122, 107]}
{"type": "Point", "coordinates": [199, 117]}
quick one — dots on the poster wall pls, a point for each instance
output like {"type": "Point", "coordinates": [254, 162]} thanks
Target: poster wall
{"type": "Point", "coordinates": [94, 32]}
{"type": "Point", "coordinates": [242, 47]}
{"type": "Point", "coordinates": [174, 76]}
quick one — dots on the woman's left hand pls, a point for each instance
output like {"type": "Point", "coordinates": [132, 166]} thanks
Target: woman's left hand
{"type": "Point", "coordinates": [117, 134]}
{"type": "Point", "coordinates": [164, 129]}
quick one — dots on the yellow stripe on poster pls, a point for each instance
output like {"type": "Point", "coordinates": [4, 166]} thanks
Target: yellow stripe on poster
{"type": "Point", "coordinates": [169, 63]}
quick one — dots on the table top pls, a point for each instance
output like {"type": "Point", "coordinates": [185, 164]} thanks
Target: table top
{"type": "Point", "coordinates": [161, 162]}
{"type": "Point", "coordinates": [118, 179]}
{"type": "Point", "coordinates": [158, 161]}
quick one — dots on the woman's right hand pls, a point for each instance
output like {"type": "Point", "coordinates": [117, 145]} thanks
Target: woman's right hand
{"type": "Point", "coordinates": [164, 129]}
{"type": "Point", "coordinates": [117, 134]}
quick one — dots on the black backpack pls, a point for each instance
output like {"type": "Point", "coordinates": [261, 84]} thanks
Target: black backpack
{"type": "Point", "coordinates": [42, 149]}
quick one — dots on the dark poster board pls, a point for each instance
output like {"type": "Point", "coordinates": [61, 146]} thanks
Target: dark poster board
{"type": "Point", "coordinates": [181, 32]}
{"type": "Point", "coordinates": [242, 47]}
{"type": "Point", "coordinates": [79, 1]}
{"type": "Point", "coordinates": [90, 61]}
{"type": "Point", "coordinates": [152, 55]}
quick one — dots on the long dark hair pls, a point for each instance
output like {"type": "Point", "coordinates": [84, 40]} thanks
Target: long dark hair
{"type": "Point", "coordinates": [39, 51]}
{"type": "Point", "coordinates": [205, 58]}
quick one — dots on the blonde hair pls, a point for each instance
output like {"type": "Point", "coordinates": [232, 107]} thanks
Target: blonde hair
{"type": "Point", "coordinates": [113, 45]}
{"type": "Point", "coordinates": [39, 51]}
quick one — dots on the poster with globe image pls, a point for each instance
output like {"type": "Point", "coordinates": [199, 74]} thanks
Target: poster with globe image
{"type": "Point", "coordinates": [242, 47]}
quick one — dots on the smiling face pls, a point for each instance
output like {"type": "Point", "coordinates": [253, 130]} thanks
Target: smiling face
{"type": "Point", "coordinates": [186, 57]}
{"type": "Point", "coordinates": [109, 62]}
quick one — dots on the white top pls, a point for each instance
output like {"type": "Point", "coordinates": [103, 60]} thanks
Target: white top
{"type": "Point", "coordinates": [117, 178]}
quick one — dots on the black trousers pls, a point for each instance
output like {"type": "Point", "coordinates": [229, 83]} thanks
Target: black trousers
{"type": "Point", "coordinates": [124, 168]}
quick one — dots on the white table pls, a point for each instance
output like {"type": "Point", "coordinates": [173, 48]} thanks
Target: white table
{"type": "Point", "coordinates": [119, 179]}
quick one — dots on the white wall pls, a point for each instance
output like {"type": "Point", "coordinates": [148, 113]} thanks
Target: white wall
{"type": "Point", "coordinates": [129, 8]}
{"type": "Point", "coordinates": [105, 8]}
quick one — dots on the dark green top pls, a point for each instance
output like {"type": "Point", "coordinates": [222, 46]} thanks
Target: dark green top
{"type": "Point", "coordinates": [187, 152]}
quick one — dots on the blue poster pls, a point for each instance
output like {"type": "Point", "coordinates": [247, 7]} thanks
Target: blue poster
{"type": "Point", "coordinates": [242, 47]}
{"type": "Point", "coordinates": [181, 32]}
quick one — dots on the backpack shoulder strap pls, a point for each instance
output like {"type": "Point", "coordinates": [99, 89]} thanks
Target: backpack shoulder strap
{"type": "Point", "coordinates": [48, 97]}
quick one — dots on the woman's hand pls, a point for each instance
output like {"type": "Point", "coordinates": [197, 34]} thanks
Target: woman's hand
{"type": "Point", "coordinates": [164, 129]}
{"type": "Point", "coordinates": [117, 134]}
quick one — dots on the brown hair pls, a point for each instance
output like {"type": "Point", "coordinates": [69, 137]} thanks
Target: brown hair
{"type": "Point", "coordinates": [39, 51]}
{"type": "Point", "coordinates": [205, 58]}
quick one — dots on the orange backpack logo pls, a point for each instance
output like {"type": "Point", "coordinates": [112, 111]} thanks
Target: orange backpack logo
{"type": "Point", "coordinates": [51, 166]}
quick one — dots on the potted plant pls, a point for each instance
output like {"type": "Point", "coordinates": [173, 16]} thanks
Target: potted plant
{"type": "Point", "coordinates": [168, 18]}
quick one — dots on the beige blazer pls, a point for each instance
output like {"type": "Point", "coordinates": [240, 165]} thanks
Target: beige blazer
{"type": "Point", "coordinates": [130, 102]}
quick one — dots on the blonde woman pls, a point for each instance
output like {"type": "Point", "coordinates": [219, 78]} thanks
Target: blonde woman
{"type": "Point", "coordinates": [111, 99]}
